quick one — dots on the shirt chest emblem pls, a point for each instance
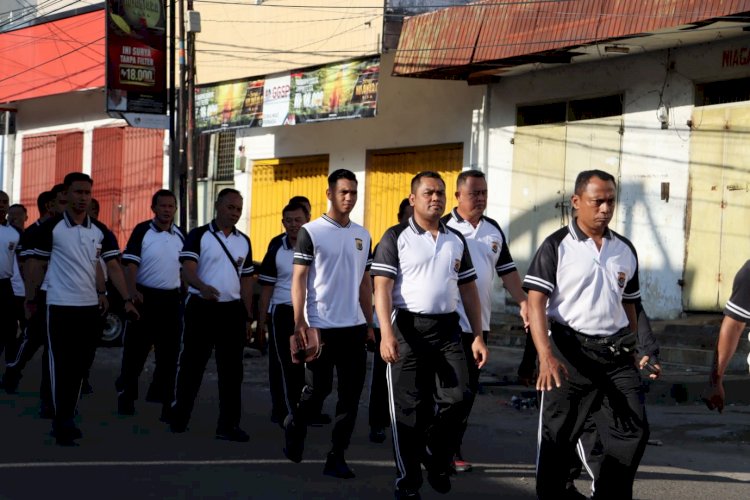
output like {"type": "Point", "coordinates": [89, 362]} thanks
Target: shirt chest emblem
{"type": "Point", "coordinates": [456, 264]}
{"type": "Point", "coordinates": [495, 247]}
{"type": "Point", "coordinates": [621, 279]}
{"type": "Point", "coordinates": [358, 243]}
{"type": "Point", "coordinates": [240, 260]}
{"type": "Point", "coordinates": [11, 245]}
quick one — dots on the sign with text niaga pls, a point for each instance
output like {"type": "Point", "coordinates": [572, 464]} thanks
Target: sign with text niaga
{"type": "Point", "coordinates": [136, 59]}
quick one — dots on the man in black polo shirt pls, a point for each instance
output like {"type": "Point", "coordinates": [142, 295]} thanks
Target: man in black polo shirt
{"type": "Point", "coordinates": [217, 263]}
{"type": "Point", "coordinates": [332, 297]}
{"type": "Point", "coordinates": [584, 280]}
{"type": "Point", "coordinates": [421, 268]}
{"type": "Point", "coordinates": [72, 243]}
{"type": "Point", "coordinates": [152, 271]}
{"type": "Point", "coordinates": [736, 317]}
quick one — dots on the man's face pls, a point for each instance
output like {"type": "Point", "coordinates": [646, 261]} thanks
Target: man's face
{"type": "Point", "coordinates": [79, 196]}
{"type": "Point", "coordinates": [57, 206]}
{"type": "Point", "coordinates": [595, 205]}
{"type": "Point", "coordinates": [229, 209]}
{"type": "Point", "coordinates": [292, 221]}
{"type": "Point", "coordinates": [472, 197]}
{"type": "Point", "coordinates": [4, 201]}
{"type": "Point", "coordinates": [429, 199]}
{"type": "Point", "coordinates": [343, 196]}
{"type": "Point", "coordinates": [17, 217]}
{"type": "Point", "coordinates": [165, 209]}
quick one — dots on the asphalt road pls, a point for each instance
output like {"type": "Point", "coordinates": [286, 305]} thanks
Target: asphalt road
{"type": "Point", "coordinates": [702, 455]}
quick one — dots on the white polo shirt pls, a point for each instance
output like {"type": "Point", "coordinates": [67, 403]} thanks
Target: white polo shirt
{"type": "Point", "coordinates": [9, 237]}
{"type": "Point", "coordinates": [157, 255]}
{"type": "Point", "coordinates": [490, 255]}
{"type": "Point", "coordinates": [73, 251]}
{"type": "Point", "coordinates": [426, 271]}
{"type": "Point", "coordinates": [276, 270]}
{"type": "Point", "coordinates": [338, 257]}
{"type": "Point", "coordinates": [586, 286]}
{"type": "Point", "coordinates": [214, 267]}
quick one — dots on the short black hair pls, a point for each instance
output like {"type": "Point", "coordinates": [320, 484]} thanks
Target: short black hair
{"type": "Point", "coordinates": [57, 189]}
{"type": "Point", "coordinates": [162, 192]}
{"type": "Point", "coordinates": [461, 179]}
{"type": "Point", "coordinates": [291, 207]}
{"type": "Point", "coordinates": [76, 177]}
{"type": "Point", "coordinates": [402, 207]}
{"type": "Point", "coordinates": [418, 178]}
{"type": "Point", "coordinates": [584, 177]}
{"type": "Point", "coordinates": [19, 205]}
{"type": "Point", "coordinates": [94, 203]}
{"type": "Point", "coordinates": [341, 173]}
{"type": "Point", "coordinates": [226, 192]}
{"type": "Point", "coordinates": [42, 200]}
{"type": "Point", "coordinates": [300, 199]}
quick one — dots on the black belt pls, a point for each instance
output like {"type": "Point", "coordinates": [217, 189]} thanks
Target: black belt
{"type": "Point", "coordinates": [623, 339]}
{"type": "Point", "coordinates": [438, 317]}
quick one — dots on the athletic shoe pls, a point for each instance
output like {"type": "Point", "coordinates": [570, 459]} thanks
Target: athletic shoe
{"type": "Point", "coordinates": [377, 435]}
{"type": "Point", "coordinates": [440, 481]}
{"type": "Point", "coordinates": [336, 466]}
{"type": "Point", "coordinates": [232, 434]}
{"type": "Point", "coordinates": [572, 493]}
{"type": "Point", "coordinates": [408, 494]}
{"type": "Point", "coordinates": [461, 465]}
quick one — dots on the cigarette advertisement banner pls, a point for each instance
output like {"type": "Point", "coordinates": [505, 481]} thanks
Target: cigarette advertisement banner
{"type": "Point", "coordinates": [339, 91]}
{"type": "Point", "coordinates": [136, 57]}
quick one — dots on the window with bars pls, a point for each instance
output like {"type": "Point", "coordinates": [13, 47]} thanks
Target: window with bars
{"type": "Point", "coordinates": [225, 152]}
{"type": "Point", "coordinates": [722, 92]}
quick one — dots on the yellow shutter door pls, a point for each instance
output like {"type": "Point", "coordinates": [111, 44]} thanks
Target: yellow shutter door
{"type": "Point", "coordinates": [389, 174]}
{"type": "Point", "coordinates": [274, 182]}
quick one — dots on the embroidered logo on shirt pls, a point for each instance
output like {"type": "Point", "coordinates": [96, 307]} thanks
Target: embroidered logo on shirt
{"type": "Point", "coordinates": [11, 245]}
{"type": "Point", "coordinates": [495, 247]}
{"type": "Point", "coordinates": [358, 243]}
{"type": "Point", "coordinates": [240, 260]}
{"type": "Point", "coordinates": [621, 279]}
{"type": "Point", "coordinates": [457, 265]}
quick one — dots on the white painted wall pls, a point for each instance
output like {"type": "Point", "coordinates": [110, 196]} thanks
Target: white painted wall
{"type": "Point", "coordinates": [411, 112]}
{"type": "Point", "coordinates": [650, 155]}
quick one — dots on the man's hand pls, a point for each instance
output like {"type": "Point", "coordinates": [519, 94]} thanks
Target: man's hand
{"type": "Point", "coordinates": [714, 396]}
{"type": "Point", "coordinates": [137, 297]}
{"type": "Point", "coordinates": [210, 293]}
{"type": "Point", "coordinates": [370, 335]}
{"type": "Point", "coordinates": [524, 313]}
{"type": "Point", "coordinates": [131, 311]}
{"type": "Point", "coordinates": [654, 369]}
{"type": "Point", "coordinates": [551, 372]}
{"type": "Point", "coordinates": [480, 351]}
{"type": "Point", "coordinates": [103, 304]}
{"type": "Point", "coordinates": [389, 347]}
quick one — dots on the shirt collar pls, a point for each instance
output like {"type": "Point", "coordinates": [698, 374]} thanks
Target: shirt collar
{"type": "Point", "coordinates": [332, 221]}
{"type": "Point", "coordinates": [419, 230]}
{"type": "Point", "coordinates": [457, 216]}
{"type": "Point", "coordinates": [579, 235]}
{"type": "Point", "coordinates": [215, 229]}
{"type": "Point", "coordinates": [159, 230]}
{"type": "Point", "coordinates": [70, 222]}
{"type": "Point", "coordinates": [285, 242]}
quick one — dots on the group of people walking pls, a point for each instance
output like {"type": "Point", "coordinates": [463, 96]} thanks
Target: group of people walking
{"type": "Point", "coordinates": [421, 300]}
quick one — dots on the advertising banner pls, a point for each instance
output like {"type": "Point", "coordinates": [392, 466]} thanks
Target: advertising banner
{"type": "Point", "coordinates": [136, 57]}
{"type": "Point", "coordinates": [338, 91]}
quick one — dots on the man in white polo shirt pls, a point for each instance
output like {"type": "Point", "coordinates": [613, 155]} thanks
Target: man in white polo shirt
{"type": "Point", "coordinates": [9, 236]}
{"type": "Point", "coordinates": [421, 268]}
{"type": "Point", "coordinates": [332, 296]}
{"type": "Point", "coordinates": [152, 271]}
{"type": "Point", "coordinates": [490, 255]}
{"type": "Point", "coordinates": [736, 317]}
{"type": "Point", "coordinates": [582, 287]}
{"type": "Point", "coordinates": [217, 263]}
{"type": "Point", "coordinates": [72, 243]}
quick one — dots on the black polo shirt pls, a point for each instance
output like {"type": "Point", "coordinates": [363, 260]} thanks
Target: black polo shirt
{"type": "Point", "coordinates": [586, 286]}
{"type": "Point", "coordinates": [426, 271]}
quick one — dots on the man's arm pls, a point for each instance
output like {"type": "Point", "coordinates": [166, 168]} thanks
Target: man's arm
{"type": "Point", "coordinates": [512, 283]}
{"type": "Point", "coordinates": [35, 270]}
{"type": "Point", "coordinates": [472, 307]}
{"type": "Point", "coordinates": [632, 316]}
{"type": "Point", "coordinates": [384, 308]}
{"type": "Point", "coordinates": [118, 280]}
{"type": "Point", "coordinates": [551, 370]}
{"type": "Point", "coordinates": [365, 302]}
{"type": "Point", "coordinates": [726, 345]}
{"type": "Point", "coordinates": [299, 294]}
{"type": "Point", "coordinates": [190, 273]}
{"type": "Point", "coordinates": [131, 271]}
{"type": "Point", "coordinates": [246, 294]}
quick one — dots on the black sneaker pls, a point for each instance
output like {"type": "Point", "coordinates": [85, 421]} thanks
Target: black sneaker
{"type": "Point", "coordinates": [440, 481]}
{"type": "Point", "coordinates": [66, 436]}
{"type": "Point", "coordinates": [377, 435]}
{"type": "Point", "coordinates": [319, 420]}
{"type": "Point", "coordinates": [125, 406]}
{"type": "Point", "coordinates": [572, 493]}
{"type": "Point", "coordinates": [294, 440]}
{"type": "Point", "coordinates": [232, 434]}
{"type": "Point", "coordinates": [336, 466]}
{"type": "Point", "coordinates": [408, 494]}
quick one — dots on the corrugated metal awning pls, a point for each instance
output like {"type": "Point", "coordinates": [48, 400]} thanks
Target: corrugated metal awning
{"type": "Point", "coordinates": [490, 35]}
{"type": "Point", "coordinates": [53, 58]}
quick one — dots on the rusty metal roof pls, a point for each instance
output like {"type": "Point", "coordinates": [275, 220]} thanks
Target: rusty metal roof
{"type": "Point", "coordinates": [490, 35]}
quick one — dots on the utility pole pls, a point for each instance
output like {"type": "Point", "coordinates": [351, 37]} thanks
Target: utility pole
{"type": "Point", "coordinates": [194, 26]}
{"type": "Point", "coordinates": [174, 149]}
{"type": "Point", "coordinates": [182, 112]}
